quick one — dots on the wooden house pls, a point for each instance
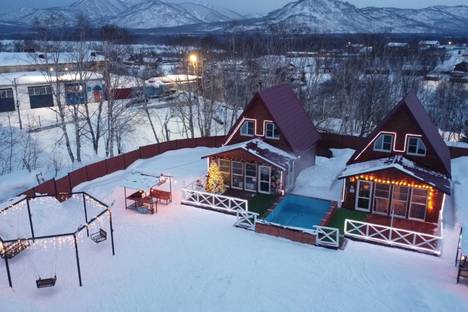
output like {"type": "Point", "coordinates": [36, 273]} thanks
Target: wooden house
{"type": "Point", "coordinates": [402, 172]}
{"type": "Point", "coordinates": [270, 143]}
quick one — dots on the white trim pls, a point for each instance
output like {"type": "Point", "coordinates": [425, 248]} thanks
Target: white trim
{"type": "Point", "coordinates": [237, 175]}
{"type": "Point", "coordinates": [260, 179]}
{"type": "Point", "coordinates": [411, 203]}
{"type": "Point", "coordinates": [395, 134]}
{"type": "Point", "coordinates": [245, 177]}
{"type": "Point", "coordinates": [254, 128]}
{"type": "Point", "coordinates": [265, 122]}
{"type": "Point", "coordinates": [369, 209]}
{"type": "Point", "coordinates": [417, 145]}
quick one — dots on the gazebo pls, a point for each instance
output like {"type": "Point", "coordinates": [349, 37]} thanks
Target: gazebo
{"type": "Point", "coordinates": [147, 192]}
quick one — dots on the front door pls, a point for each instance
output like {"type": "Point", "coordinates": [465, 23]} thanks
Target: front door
{"type": "Point", "coordinates": [400, 197]}
{"type": "Point", "coordinates": [363, 195]}
{"type": "Point", "coordinates": [264, 180]}
{"type": "Point", "coordinates": [381, 198]}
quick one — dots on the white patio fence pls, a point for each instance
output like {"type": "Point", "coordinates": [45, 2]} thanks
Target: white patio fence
{"type": "Point", "coordinates": [327, 236]}
{"type": "Point", "coordinates": [214, 201]}
{"type": "Point", "coordinates": [391, 236]}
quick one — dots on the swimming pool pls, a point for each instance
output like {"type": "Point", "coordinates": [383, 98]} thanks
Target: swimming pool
{"type": "Point", "coordinates": [299, 211]}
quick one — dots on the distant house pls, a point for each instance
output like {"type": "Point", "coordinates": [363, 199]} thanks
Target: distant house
{"type": "Point", "coordinates": [271, 142]}
{"type": "Point", "coordinates": [402, 172]}
{"type": "Point", "coordinates": [461, 67]}
{"type": "Point", "coordinates": [397, 45]}
{"type": "Point", "coordinates": [428, 44]}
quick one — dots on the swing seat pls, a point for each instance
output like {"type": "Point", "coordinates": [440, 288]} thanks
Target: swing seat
{"type": "Point", "coordinates": [99, 236]}
{"type": "Point", "coordinates": [46, 282]}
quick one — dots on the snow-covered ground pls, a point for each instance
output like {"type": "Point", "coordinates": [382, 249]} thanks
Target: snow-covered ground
{"type": "Point", "coordinates": [188, 259]}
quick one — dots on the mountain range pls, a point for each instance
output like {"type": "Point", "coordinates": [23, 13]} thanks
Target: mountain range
{"type": "Point", "coordinates": [303, 16]}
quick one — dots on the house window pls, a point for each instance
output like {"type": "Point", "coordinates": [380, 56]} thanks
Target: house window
{"type": "Point", "coordinates": [7, 102]}
{"type": "Point", "coordinates": [40, 96]}
{"type": "Point", "coordinates": [418, 204]}
{"type": "Point", "coordinates": [225, 169]}
{"type": "Point", "coordinates": [251, 177]}
{"type": "Point", "coordinates": [271, 131]}
{"type": "Point", "coordinates": [383, 143]}
{"type": "Point", "coordinates": [247, 128]}
{"type": "Point", "coordinates": [381, 198]}
{"type": "Point", "coordinates": [237, 175]}
{"type": "Point", "coordinates": [416, 147]}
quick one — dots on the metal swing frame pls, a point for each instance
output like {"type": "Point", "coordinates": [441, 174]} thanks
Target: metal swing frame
{"type": "Point", "coordinates": [51, 281]}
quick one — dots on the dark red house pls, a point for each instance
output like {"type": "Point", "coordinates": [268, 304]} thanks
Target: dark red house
{"type": "Point", "coordinates": [403, 169]}
{"type": "Point", "coordinates": [270, 143]}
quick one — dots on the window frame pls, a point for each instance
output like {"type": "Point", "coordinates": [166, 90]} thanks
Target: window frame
{"type": "Point", "coordinates": [419, 142]}
{"type": "Point", "coordinates": [6, 93]}
{"type": "Point", "coordinates": [383, 135]}
{"type": "Point", "coordinates": [247, 121]}
{"type": "Point", "coordinates": [225, 174]}
{"type": "Point", "coordinates": [417, 203]}
{"type": "Point", "coordinates": [275, 129]}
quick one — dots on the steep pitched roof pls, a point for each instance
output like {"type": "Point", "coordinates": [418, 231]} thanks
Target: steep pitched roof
{"type": "Point", "coordinates": [289, 115]}
{"type": "Point", "coordinates": [424, 122]}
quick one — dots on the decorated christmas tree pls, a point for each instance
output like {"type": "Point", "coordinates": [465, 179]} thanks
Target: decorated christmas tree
{"type": "Point", "coordinates": [215, 182]}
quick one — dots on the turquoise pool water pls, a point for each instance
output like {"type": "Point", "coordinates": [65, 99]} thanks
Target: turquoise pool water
{"type": "Point", "coordinates": [299, 211]}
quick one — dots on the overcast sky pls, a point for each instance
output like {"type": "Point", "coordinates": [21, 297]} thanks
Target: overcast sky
{"type": "Point", "coordinates": [246, 6]}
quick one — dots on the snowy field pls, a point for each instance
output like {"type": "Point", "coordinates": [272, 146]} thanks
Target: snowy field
{"type": "Point", "coordinates": [188, 259]}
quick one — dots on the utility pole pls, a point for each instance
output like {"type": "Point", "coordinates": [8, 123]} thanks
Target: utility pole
{"type": "Point", "coordinates": [17, 103]}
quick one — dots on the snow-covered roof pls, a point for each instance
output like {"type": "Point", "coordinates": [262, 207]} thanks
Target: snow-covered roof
{"type": "Point", "coordinates": [260, 149]}
{"type": "Point", "coordinates": [171, 79]}
{"type": "Point", "coordinates": [12, 201]}
{"type": "Point", "coordinates": [36, 77]}
{"type": "Point", "coordinates": [139, 181]}
{"type": "Point", "coordinates": [397, 44]}
{"type": "Point", "coordinates": [404, 165]}
{"type": "Point", "coordinates": [24, 58]}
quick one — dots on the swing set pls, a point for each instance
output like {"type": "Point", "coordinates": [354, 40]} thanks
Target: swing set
{"type": "Point", "coordinates": [10, 249]}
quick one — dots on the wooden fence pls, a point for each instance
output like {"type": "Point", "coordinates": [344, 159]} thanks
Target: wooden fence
{"type": "Point", "coordinates": [90, 172]}
{"type": "Point", "coordinates": [54, 187]}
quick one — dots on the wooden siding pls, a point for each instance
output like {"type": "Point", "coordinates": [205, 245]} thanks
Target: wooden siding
{"type": "Point", "coordinates": [432, 215]}
{"type": "Point", "coordinates": [403, 123]}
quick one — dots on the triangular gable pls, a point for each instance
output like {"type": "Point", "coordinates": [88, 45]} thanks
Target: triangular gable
{"type": "Point", "coordinates": [412, 109]}
{"type": "Point", "coordinates": [286, 111]}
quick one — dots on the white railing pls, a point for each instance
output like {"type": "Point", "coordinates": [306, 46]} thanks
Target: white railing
{"type": "Point", "coordinates": [246, 219]}
{"type": "Point", "coordinates": [214, 201]}
{"type": "Point", "coordinates": [327, 236]}
{"type": "Point", "coordinates": [393, 236]}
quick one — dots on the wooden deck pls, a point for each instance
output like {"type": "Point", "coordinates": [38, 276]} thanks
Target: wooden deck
{"type": "Point", "coordinates": [410, 225]}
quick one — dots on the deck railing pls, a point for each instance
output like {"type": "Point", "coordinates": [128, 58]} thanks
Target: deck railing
{"type": "Point", "coordinates": [214, 201]}
{"type": "Point", "coordinates": [327, 236]}
{"type": "Point", "coordinates": [391, 236]}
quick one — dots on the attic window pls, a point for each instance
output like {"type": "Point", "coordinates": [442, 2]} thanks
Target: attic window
{"type": "Point", "coordinates": [416, 147]}
{"type": "Point", "coordinates": [271, 131]}
{"type": "Point", "coordinates": [383, 143]}
{"type": "Point", "coordinates": [247, 128]}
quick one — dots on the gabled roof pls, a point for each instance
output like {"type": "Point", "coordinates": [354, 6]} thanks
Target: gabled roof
{"type": "Point", "coordinates": [262, 150]}
{"type": "Point", "coordinates": [289, 115]}
{"type": "Point", "coordinates": [406, 166]}
{"type": "Point", "coordinates": [424, 122]}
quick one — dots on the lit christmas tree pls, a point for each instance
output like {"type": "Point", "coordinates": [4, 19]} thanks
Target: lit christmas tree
{"type": "Point", "coordinates": [215, 182]}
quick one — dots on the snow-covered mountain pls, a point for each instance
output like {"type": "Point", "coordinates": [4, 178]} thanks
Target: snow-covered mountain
{"type": "Point", "coordinates": [334, 16]}
{"type": "Point", "coordinates": [302, 16]}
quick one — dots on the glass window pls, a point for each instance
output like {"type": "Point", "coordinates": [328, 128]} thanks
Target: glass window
{"type": "Point", "coordinates": [384, 143]}
{"type": "Point", "coordinates": [247, 128]}
{"type": "Point", "coordinates": [418, 204]}
{"type": "Point", "coordinates": [416, 146]}
{"type": "Point", "coordinates": [271, 131]}
{"type": "Point", "coordinates": [6, 93]}
{"type": "Point", "coordinates": [225, 169]}
{"type": "Point", "coordinates": [381, 198]}
{"type": "Point", "coordinates": [41, 90]}
{"type": "Point", "coordinates": [237, 175]}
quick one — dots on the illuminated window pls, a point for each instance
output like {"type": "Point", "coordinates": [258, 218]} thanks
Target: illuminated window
{"type": "Point", "coordinates": [416, 147]}
{"type": "Point", "coordinates": [418, 204]}
{"type": "Point", "coordinates": [383, 143]}
{"type": "Point", "coordinates": [271, 131]}
{"type": "Point", "coordinates": [247, 128]}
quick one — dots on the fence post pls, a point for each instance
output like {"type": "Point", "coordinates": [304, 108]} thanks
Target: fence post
{"type": "Point", "coordinates": [30, 218]}
{"type": "Point", "coordinates": [77, 260]}
{"type": "Point", "coordinates": [85, 213]}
